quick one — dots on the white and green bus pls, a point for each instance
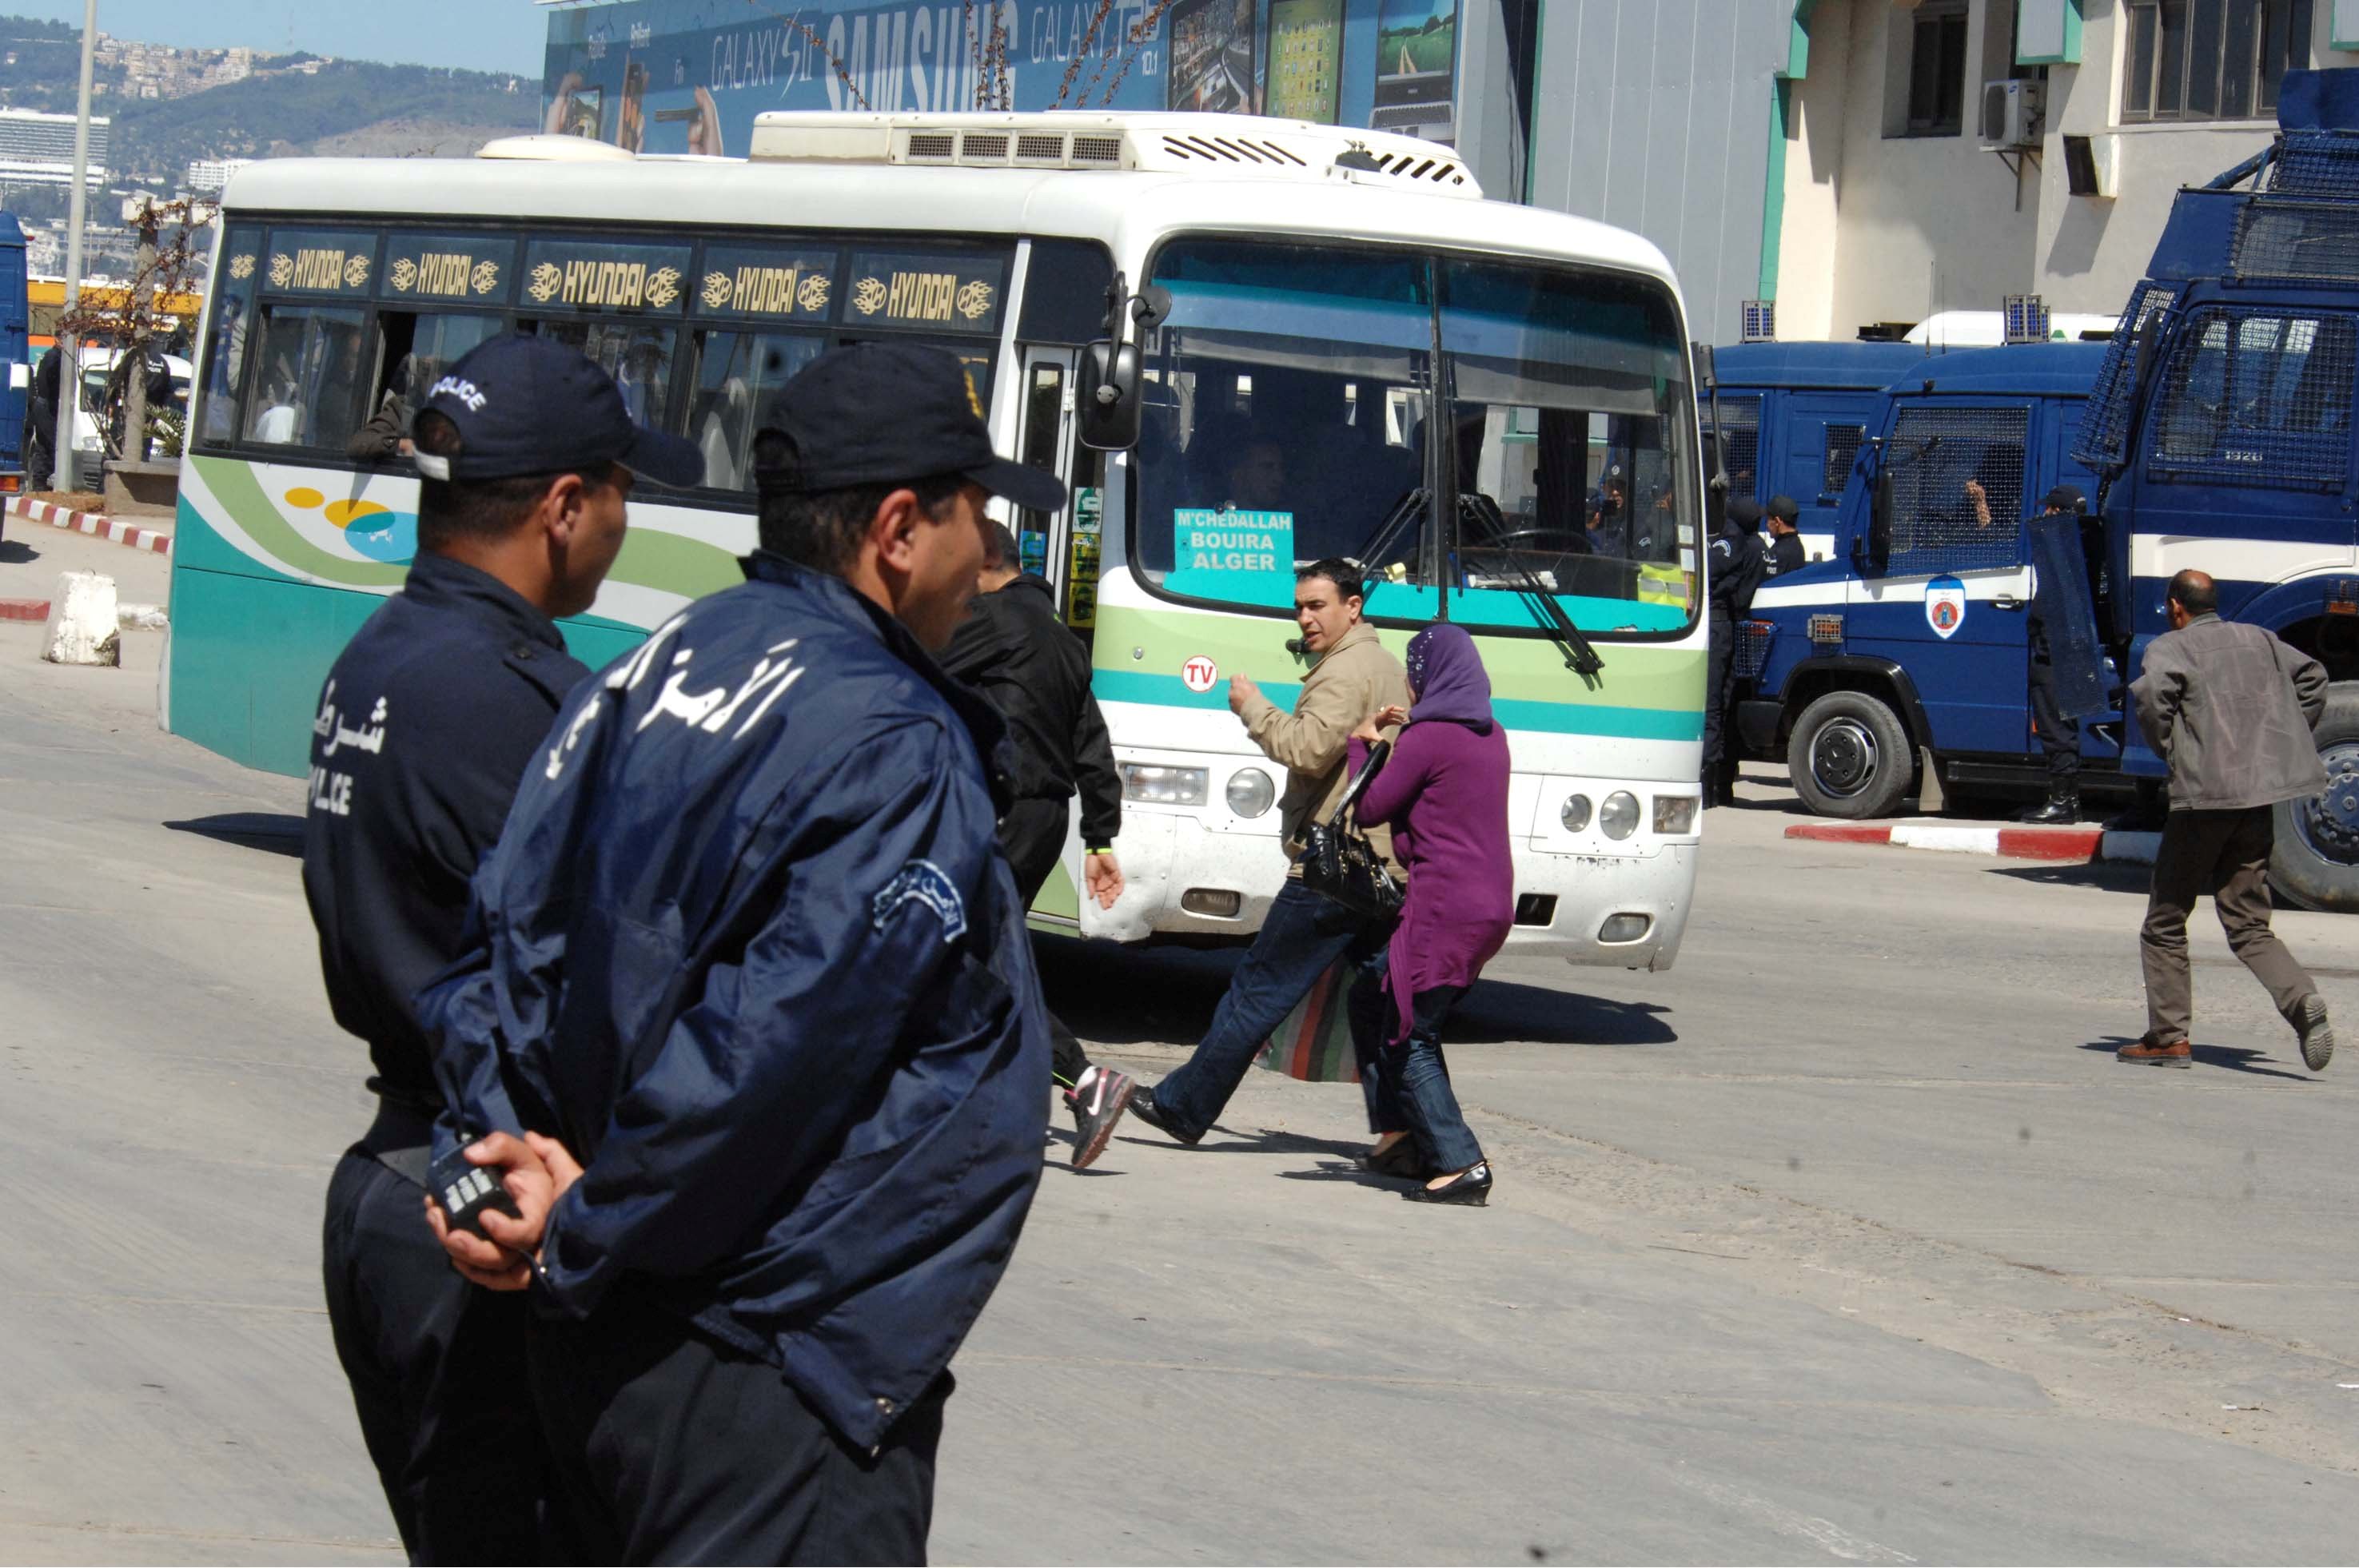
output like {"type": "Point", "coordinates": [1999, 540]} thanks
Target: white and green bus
{"type": "Point", "coordinates": [1327, 342]}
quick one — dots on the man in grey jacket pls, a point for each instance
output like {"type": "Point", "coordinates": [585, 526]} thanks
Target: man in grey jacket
{"type": "Point", "coordinates": [2230, 707]}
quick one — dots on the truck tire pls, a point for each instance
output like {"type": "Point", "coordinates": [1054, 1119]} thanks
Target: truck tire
{"type": "Point", "coordinates": [1849, 756]}
{"type": "Point", "coordinates": [2317, 858]}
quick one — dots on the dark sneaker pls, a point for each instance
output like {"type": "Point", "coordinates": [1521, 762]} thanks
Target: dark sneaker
{"type": "Point", "coordinates": [1143, 1105]}
{"type": "Point", "coordinates": [2176, 1053]}
{"type": "Point", "coordinates": [2317, 1034]}
{"type": "Point", "coordinates": [1098, 1102]}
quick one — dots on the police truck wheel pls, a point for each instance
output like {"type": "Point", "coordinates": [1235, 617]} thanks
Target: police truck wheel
{"type": "Point", "coordinates": [2317, 858]}
{"type": "Point", "coordinates": [1849, 756]}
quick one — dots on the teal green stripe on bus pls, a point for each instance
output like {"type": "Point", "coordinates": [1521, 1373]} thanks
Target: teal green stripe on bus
{"type": "Point", "coordinates": [1544, 718]}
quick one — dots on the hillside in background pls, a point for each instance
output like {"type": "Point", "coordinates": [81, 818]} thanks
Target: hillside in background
{"type": "Point", "coordinates": [375, 110]}
{"type": "Point", "coordinates": [292, 105]}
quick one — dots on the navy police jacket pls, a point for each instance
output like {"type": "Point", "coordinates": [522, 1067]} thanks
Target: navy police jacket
{"type": "Point", "coordinates": [430, 717]}
{"type": "Point", "coordinates": [748, 949]}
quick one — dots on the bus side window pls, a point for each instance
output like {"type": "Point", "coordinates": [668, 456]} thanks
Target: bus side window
{"type": "Point", "coordinates": [225, 339]}
{"type": "Point", "coordinates": [738, 378]}
{"type": "Point", "coordinates": [413, 352]}
{"type": "Point", "coordinates": [303, 389]}
{"type": "Point", "coordinates": [638, 357]}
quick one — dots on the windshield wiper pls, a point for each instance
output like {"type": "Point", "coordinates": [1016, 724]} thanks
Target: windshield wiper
{"type": "Point", "coordinates": [1581, 655]}
{"type": "Point", "coordinates": [1409, 510]}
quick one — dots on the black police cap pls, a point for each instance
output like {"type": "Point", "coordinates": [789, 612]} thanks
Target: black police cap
{"type": "Point", "coordinates": [1745, 512]}
{"type": "Point", "coordinates": [889, 414]}
{"type": "Point", "coordinates": [2064, 498]}
{"type": "Point", "coordinates": [526, 406]}
{"type": "Point", "coordinates": [1784, 507]}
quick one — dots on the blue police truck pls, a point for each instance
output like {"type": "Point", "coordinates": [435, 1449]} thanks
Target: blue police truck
{"type": "Point", "coordinates": [16, 361]}
{"type": "Point", "coordinates": [1788, 419]}
{"type": "Point", "coordinates": [2214, 430]}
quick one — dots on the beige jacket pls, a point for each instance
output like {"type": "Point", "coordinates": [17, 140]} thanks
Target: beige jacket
{"type": "Point", "coordinates": [2230, 707]}
{"type": "Point", "coordinates": [1349, 682]}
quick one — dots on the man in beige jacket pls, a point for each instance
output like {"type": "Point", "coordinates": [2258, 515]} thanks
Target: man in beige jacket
{"type": "Point", "coordinates": [1303, 934]}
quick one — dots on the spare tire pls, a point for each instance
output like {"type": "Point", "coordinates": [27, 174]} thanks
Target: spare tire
{"type": "Point", "coordinates": [2317, 859]}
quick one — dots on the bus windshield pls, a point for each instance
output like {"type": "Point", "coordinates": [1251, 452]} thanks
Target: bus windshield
{"type": "Point", "coordinates": [1290, 391]}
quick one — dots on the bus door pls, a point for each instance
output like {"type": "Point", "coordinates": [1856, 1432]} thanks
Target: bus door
{"type": "Point", "coordinates": [1061, 547]}
{"type": "Point", "coordinates": [1944, 589]}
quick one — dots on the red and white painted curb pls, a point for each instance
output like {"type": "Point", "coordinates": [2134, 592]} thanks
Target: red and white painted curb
{"type": "Point", "coordinates": [96, 524]}
{"type": "Point", "coordinates": [2076, 844]}
{"type": "Point", "coordinates": [129, 617]}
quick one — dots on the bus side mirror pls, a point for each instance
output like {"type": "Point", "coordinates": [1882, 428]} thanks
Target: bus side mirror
{"type": "Point", "coordinates": [1110, 404]}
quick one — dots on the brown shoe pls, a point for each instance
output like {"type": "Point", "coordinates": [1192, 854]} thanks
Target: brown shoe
{"type": "Point", "coordinates": [2176, 1053]}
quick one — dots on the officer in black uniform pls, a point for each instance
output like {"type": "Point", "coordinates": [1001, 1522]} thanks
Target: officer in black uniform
{"type": "Point", "coordinates": [1785, 537]}
{"type": "Point", "coordinates": [2059, 737]}
{"type": "Point", "coordinates": [1029, 665]}
{"type": "Point", "coordinates": [426, 724]}
{"type": "Point", "coordinates": [750, 987]}
{"type": "Point", "coordinates": [1734, 571]}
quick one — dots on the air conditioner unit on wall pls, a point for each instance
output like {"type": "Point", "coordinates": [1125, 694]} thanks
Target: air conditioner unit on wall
{"type": "Point", "coordinates": [2014, 114]}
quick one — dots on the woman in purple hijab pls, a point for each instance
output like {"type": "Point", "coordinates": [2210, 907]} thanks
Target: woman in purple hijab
{"type": "Point", "coordinates": [1444, 792]}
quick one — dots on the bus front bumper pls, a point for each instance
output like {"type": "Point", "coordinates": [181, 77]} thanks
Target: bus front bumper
{"type": "Point", "coordinates": [1615, 912]}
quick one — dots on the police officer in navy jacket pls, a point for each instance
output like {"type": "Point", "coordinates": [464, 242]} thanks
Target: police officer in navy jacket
{"type": "Point", "coordinates": [426, 723]}
{"type": "Point", "coordinates": [752, 1015]}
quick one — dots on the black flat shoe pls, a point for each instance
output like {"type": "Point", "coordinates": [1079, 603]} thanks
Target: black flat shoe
{"type": "Point", "coordinates": [1399, 1159]}
{"type": "Point", "coordinates": [1471, 1186]}
{"type": "Point", "coordinates": [1143, 1108]}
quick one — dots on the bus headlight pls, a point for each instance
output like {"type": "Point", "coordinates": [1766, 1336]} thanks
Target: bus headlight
{"type": "Point", "coordinates": [1251, 792]}
{"type": "Point", "coordinates": [1619, 814]}
{"type": "Point", "coordinates": [1160, 785]}
{"type": "Point", "coordinates": [1575, 815]}
{"type": "Point", "coordinates": [1675, 813]}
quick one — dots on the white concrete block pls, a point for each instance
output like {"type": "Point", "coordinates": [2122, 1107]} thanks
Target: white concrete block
{"type": "Point", "coordinates": [82, 625]}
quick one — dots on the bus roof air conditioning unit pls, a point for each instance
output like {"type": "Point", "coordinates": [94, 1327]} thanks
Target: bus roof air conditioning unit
{"type": "Point", "coordinates": [2014, 115]}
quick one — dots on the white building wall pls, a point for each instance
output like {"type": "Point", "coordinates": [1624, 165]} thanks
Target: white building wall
{"type": "Point", "coordinates": [1878, 227]}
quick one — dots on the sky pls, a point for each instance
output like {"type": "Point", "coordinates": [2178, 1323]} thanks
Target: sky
{"type": "Point", "coordinates": [482, 35]}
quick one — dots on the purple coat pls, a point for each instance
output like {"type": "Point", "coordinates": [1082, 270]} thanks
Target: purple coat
{"type": "Point", "coordinates": [1444, 790]}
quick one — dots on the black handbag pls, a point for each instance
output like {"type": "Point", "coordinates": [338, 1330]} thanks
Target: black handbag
{"type": "Point", "coordinates": [1338, 862]}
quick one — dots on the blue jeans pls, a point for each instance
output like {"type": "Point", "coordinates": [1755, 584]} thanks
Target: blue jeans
{"type": "Point", "coordinates": [1412, 1086]}
{"type": "Point", "coordinates": [1302, 934]}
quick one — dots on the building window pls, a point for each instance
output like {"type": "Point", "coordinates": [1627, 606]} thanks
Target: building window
{"type": "Point", "coordinates": [1937, 70]}
{"type": "Point", "coordinates": [2211, 59]}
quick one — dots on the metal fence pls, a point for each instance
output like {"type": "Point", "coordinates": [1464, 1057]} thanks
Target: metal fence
{"type": "Point", "coordinates": [1842, 452]}
{"type": "Point", "coordinates": [1957, 489]}
{"type": "Point", "coordinates": [2260, 398]}
{"type": "Point", "coordinates": [2317, 162]}
{"type": "Point", "coordinates": [2302, 241]}
{"type": "Point", "coordinates": [2104, 435]}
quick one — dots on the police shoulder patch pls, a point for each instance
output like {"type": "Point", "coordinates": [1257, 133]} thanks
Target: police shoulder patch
{"type": "Point", "coordinates": [922, 882]}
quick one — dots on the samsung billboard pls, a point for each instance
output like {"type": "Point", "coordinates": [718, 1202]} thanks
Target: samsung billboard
{"type": "Point", "coordinates": [672, 76]}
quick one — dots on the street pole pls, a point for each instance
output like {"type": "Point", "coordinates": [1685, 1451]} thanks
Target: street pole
{"type": "Point", "coordinates": [68, 344]}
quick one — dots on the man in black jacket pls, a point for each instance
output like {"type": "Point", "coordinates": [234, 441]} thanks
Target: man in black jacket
{"type": "Point", "coordinates": [1785, 537]}
{"type": "Point", "coordinates": [1031, 668]}
{"type": "Point", "coordinates": [428, 719]}
{"type": "Point", "coordinates": [41, 425]}
{"type": "Point", "coordinates": [1735, 563]}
